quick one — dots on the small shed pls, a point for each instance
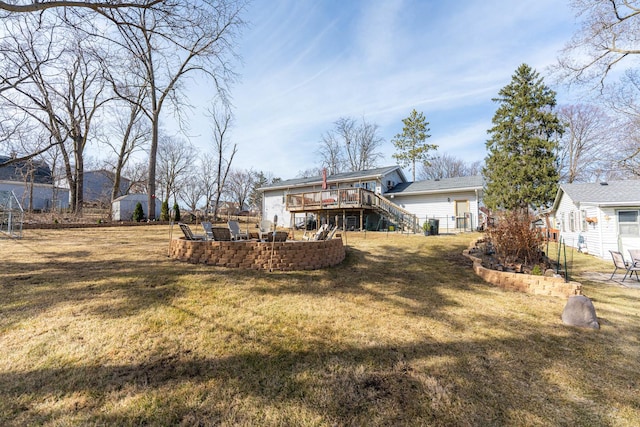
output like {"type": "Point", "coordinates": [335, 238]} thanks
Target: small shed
{"type": "Point", "coordinates": [122, 208]}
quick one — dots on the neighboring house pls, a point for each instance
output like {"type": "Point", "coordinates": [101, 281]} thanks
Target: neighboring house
{"type": "Point", "coordinates": [98, 185]}
{"type": "Point", "coordinates": [122, 208]}
{"type": "Point", "coordinates": [32, 183]}
{"type": "Point", "coordinates": [599, 217]}
{"type": "Point", "coordinates": [374, 199]}
{"type": "Point", "coordinates": [230, 208]}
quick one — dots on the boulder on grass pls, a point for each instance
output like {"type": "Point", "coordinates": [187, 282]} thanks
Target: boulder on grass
{"type": "Point", "coordinates": [580, 312]}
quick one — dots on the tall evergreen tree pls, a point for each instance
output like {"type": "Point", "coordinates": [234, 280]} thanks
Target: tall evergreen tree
{"type": "Point", "coordinates": [520, 168]}
{"type": "Point", "coordinates": [411, 144]}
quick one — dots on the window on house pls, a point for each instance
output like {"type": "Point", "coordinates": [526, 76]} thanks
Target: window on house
{"type": "Point", "coordinates": [585, 225]}
{"type": "Point", "coordinates": [628, 224]}
{"type": "Point", "coordinates": [562, 227]}
{"type": "Point", "coordinates": [572, 221]}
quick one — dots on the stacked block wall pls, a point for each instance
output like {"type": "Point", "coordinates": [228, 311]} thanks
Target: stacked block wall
{"type": "Point", "coordinates": [291, 255]}
{"type": "Point", "coordinates": [537, 285]}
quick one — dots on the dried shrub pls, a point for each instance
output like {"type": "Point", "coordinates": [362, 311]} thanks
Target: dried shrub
{"type": "Point", "coordinates": [515, 240]}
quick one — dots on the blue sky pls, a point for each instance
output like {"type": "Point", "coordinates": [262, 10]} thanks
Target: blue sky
{"type": "Point", "coordinates": [307, 63]}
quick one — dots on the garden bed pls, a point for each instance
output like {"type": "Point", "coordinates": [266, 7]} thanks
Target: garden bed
{"type": "Point", "coordinates": [518, 277]}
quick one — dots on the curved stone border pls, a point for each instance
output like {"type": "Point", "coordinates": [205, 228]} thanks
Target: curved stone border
{"type": "Point", "coordinates": [290, 255]}
{"type": "Point", "coordinates": [537, 285]}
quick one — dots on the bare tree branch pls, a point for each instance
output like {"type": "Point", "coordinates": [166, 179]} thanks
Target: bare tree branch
{"type": "Point", "coordinates": [38, 6]}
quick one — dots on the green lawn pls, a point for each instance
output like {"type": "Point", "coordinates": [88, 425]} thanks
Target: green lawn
{"type": "Point", "coordinates": [99, 327]}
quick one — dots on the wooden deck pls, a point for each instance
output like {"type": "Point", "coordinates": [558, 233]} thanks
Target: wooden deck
{"type": "Point", "coordinates": [348, 198]}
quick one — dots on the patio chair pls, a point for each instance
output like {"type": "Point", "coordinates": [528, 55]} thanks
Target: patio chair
{"type": "Point", "coordinates": [320, 234]}
{"type": "Point", "coordinates": [620, 264]}
{"type": "Point", "coordinates": [265, 227]}
{"type": "Point", "coordinates": [236, 234]}
{"type": "Point", "coordinates": [208, 229]}
{"type": "Point", "coordinates": [221, 234]}
{"type": "Point", "coordinates": [635, 255]}
{"type": "Point", "coordinates": [188, 234]}
{"type": "Point", "coordinates": [276, 236]}
{"type": "Point", "coordinates": [331, 233]}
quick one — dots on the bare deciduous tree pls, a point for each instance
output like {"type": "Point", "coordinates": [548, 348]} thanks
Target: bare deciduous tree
{"type": "Point", "coordinates": [350, 146]}
{"type": "Point", "coordinates": [175, 163]}
{"type": "Point", "coordinates": [584, 142]}
{"type": "Point", "coordinates": [608, 36]}
{"type": "Point", "coordinates": [41, 5]}
{"type": "Point", "coordinates": [192, 191]}
{"type": "Point", "coordinates": [173, 40]}
{"type": "Point", "coordinates": [224, 153]}
{"type": "Point", "coordinates": [207, 176]}
{"type": "Point", "coordinates": [623, 100]}
{"type": "Point", "coordinates": [448, 166]}
{"type": "Point", "coordinates": [133, 134]}
{"type": "Point", "coordinates": [58, 100]}
{"type": "Point", "coordinates": [239, 186]}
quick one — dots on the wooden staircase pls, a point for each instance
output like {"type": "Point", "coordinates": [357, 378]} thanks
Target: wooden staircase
{"type": "Point", "coordinates": [396, 214]}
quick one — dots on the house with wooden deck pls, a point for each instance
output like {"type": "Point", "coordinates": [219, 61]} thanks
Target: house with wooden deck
{"type": "Point", "coordinates": [375, 199]}
{"type": "Point", "coordinates": [599, 217]}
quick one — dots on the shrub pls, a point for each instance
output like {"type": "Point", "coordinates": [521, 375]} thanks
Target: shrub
{"type": "Point", "coordinates": [138, 213]}
{"type": "Point", "coordinates": [515, 239]}
{"type": "Point", "coordinates": [176, 212]}
{"type": "Point", "coordinates": [164, 211]}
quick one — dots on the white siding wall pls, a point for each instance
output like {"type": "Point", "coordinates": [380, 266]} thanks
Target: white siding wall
{"type": "Point", "coordinates": [441, 206]}
{"type": "Point", "coordinates": [623, 243]}
{"type": "Point", "coordinates": [394, 178]}
{"type": "Point", "coordinates": [600, 237]}
{"type": "Point", "coordinates": [566, 208]}
{"type": "Point", "coordinates": [124, 206]}
{"type": "Point", "coordinates": [273, 204]}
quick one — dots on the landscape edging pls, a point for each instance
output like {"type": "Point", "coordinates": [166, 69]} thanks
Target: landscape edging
{"type": "Point", "coordinates": [536, 285]}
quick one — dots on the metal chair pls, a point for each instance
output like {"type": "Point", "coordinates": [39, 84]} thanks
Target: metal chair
{"type": "Point", "coordinates": [628, 267]}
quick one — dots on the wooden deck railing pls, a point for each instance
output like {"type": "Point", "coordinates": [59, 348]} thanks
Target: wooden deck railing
{"type": "Point", "coordinates": [351, 198]}
{"type": "Point", "coordinates": [347, 198]}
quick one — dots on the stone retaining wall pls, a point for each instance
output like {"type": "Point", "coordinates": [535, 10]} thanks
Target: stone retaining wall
{"type": "Point", "coordinates": [290, 255]}
{"type": "Point", "coordinates": [537, 285]}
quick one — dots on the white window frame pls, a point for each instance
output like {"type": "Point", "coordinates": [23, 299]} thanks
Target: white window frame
{"type": "Point", "coordinates": [572, 221]}
{"type": "Point", "coordinates": [625, 228]}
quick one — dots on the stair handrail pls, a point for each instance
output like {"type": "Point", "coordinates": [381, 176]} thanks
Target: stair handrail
{"type": "Point", "coordinates": [388, 206]}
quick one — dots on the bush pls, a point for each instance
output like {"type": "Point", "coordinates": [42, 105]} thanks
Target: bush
{"type": "Point", "coordinates": [164, 211]}
{"type": "Point", "coordinates": [176, 212]}
{"type": "Point", "coordinates": [515, 239]}
{"type": "Point", "coordinates": [138, 213]}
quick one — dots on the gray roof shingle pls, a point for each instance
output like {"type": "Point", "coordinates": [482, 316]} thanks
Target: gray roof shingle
{"type": "Point", "coordinates": [622, 192]}
{"type": "Point", "coordinates": [16, 171]}
{"type": "Point", "coordinates": [444, 184]}
{"type": "Point", "coordinates": [345, 176]}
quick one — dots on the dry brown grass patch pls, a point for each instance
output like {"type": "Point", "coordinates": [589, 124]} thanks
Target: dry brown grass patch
{"type": "Point", "coordinates": [98, 326]}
